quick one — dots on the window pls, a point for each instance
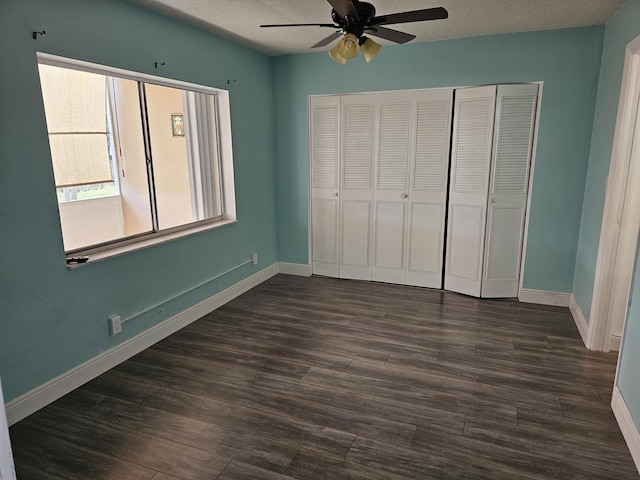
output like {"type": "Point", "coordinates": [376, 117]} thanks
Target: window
{"type": "Point", "coordinates": [134, 156]}
{"type": "Point", "coordinates": [79, 133]}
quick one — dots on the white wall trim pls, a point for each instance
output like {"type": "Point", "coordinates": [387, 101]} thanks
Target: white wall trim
{"type": "Point", "coordinates": [542, 297]}
{"type": "Point", "coordinates": [615, 342]}
{"type": "Point", "coordinates": [579, 319]}
{"type": "Point", "coordinates": [627, 426]}
{"type": "Point", "coordinates": [41, 396]}
{"type": "Point", "coordinates": [607, 302]}
{"type": "Point", "coordinates": [300, 269]}
{"type": "Point", "coordinates": [7, 469]}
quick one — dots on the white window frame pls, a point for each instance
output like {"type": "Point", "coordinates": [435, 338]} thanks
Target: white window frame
{"type": "Point", "coordinates": [226, 178]}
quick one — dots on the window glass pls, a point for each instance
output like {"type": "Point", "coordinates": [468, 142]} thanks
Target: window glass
{"type": "Point", "coordinates": [130, 157]}
{"type": "Point", "coordinates": [184, 148]}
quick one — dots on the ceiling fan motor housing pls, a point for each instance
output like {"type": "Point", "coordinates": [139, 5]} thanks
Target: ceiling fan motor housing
{"type": "Point", "coordinates": [365, 12]}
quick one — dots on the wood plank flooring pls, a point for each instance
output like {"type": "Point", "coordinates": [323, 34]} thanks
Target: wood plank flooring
{"type": "Point", "coordinates": [318, 378]}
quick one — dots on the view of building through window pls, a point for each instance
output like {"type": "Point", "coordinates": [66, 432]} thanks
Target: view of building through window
{"type": "Point", "coordinates": [130, 157]}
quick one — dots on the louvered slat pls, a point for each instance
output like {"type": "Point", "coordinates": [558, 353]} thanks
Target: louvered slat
{"type": "Point", "coordinates": [324, 147]}
{"type": "Point", "coordinates": [432, 145]}
{"type": "Point", "coordinates": [358, 146]}
{"type": "Point", "coordinates": [471, 141]}
{"type": "Point", "coordinates": [513, 148]}
{"type": "Point", "coordinates": [393, 149]}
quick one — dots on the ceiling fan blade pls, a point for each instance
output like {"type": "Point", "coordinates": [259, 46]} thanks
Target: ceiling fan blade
{"type": "Point", "coordinates": [344, 8]}
{"type": "Point", "coordinates": [437, 13]}
{"type": "Point", "coordinates": [390, 34]}
{"type": "Point", "coordinates": [328, 40]}
{"type": "Point", "coordinates": [331, 25]}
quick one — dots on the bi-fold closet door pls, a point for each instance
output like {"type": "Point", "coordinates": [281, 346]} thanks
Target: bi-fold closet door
{"type": "Point", "coordinates": [379, 185]}
{"type": "Point", "coordinates": [410, 190]}
{"type": "Point", "coordinates": [380, 177]}
{"type": "Point", "coordinates": [490, 163]}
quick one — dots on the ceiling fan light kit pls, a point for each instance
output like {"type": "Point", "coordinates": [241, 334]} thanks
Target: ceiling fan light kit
{"type": "Point", "coordinates": [348, 47]}
{"type": "Point", "coordinates": [352, 19]}
{"type": "Point", "coordinates": [333, 53]}
{"type": "Point", "coordinates": [369, 48]}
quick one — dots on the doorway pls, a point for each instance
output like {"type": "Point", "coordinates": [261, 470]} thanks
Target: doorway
{"type": "Point", "coordinates": [621, 217]}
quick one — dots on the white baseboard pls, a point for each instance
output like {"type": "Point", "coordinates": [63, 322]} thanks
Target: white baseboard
{"type": "Point", "coordinates": [627, 426]}
{"type": "Point", "coordinates": [542, 297]}
{"type": "Point", "coordinates": [299, 269]}
{"type": "Point", "coordinates": [41, 396]}
{"type": "Point", "coordinates": [561, 300]}
{"type": "Point", "coordinates": [581, 322]}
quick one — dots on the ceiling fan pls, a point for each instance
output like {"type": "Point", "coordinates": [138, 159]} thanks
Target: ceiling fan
{"type": "Point", "coordinates": [353, 19]}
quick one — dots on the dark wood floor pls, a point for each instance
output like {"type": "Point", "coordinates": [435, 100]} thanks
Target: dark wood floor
{"type": "Point", "coordinates": [331, 379]}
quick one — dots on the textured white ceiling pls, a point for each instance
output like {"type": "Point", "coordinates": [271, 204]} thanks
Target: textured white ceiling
{"type": "Point", "coordinates": [240, 20]}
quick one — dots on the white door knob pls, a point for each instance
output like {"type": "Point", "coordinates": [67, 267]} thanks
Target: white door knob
{"type": "Point", "coordinates": [404, 195]}
{"type": "Point", "coordinates": [335, 194]}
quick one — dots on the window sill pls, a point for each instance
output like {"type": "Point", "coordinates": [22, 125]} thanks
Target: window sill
{"type": "Point", "coordinates": [104, 253]}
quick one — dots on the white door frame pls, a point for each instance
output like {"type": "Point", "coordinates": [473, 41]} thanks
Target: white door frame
{"type": "Point", "coordinates": [619, 230]}
{"type": "Point", "coordinates": [7, 470]}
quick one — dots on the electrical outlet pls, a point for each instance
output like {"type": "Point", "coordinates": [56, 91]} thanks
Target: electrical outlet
{"type": "Point", "coordinates": [115, 324]}
{"type": "Point", "coordinates": [254, 259]}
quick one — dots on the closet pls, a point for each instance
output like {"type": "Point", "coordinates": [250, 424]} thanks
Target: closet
{"type": "Point", "coordinates": [383, 203]}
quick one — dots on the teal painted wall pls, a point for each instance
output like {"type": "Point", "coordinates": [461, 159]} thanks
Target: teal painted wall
{"type": "Point", "coordinates": [628, 377]}
{"type": "Point", "coordinates": [51, 318]}
{"type": "Point", "coordinates": [568, 62]}
{"type": "Point", "coordinates": [619, 31]}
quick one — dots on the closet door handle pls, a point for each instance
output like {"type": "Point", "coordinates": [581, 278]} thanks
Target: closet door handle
{"type": "Point", "coordinates": [404, 195]}
{"type": "Point", "coordinates": [335, 194]}
{"type": "Point", "coordinates": [494, 200]}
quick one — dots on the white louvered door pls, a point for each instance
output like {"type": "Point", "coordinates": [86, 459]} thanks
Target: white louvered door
{"type": "Point", "coordinates": [512, 144]}
{"type": "Point", "coordinates": [356, 185]}
{"type": "Point", "coordinates": [380, 186]}
{"type": "Point", "coordinates": [428, 178]}
{"type": "Point", "coordinates": [468, 190]}
{"type": "Point", "coordinates": [325, 154]}
{"type": "Point", "coordinates": [390, 191]}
